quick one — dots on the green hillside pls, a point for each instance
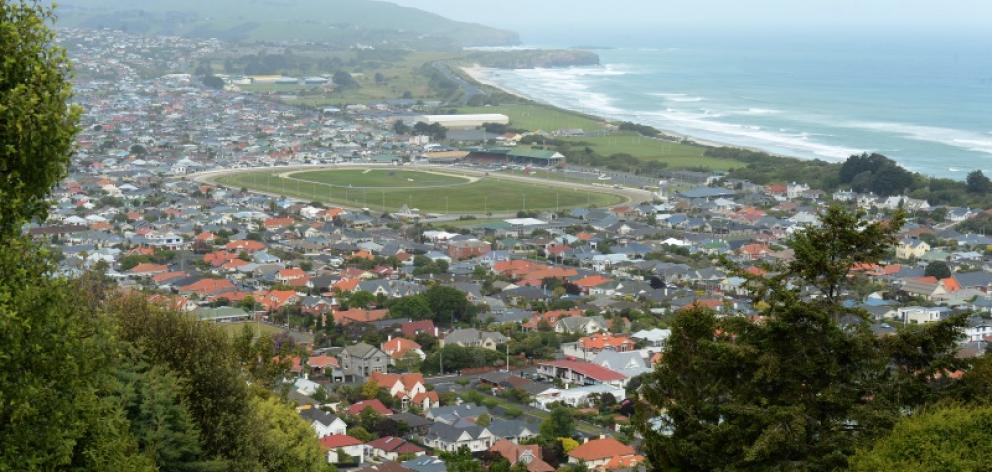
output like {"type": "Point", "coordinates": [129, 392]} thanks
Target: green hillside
{"type": "Point", "coordinates": [339, 22]}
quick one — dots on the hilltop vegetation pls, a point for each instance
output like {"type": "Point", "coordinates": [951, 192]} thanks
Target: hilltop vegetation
{"type": "Point", "coordinates": [94, 379]}
{"type": "Point", "coordinates": [336, 22]}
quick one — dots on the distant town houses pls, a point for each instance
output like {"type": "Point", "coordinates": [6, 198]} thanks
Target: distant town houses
{"type": "Point", "coordinates": [548, 309]}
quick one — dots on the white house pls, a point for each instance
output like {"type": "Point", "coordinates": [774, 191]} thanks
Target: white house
{"type": "Point", "coordinates": [324, 423]}
{"type": "Point", "coordinates": [578, 397]}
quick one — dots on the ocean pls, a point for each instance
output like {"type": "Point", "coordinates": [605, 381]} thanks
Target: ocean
{"type": "Point", "coordinates": [925, 103]}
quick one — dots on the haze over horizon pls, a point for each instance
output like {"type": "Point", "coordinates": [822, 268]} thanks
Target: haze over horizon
{"type": "Point", "coordinates": [567, 20]}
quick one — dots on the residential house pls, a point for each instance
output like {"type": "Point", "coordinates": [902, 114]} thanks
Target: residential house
{"type": "Point", "coordinates": [324, 423]}
{"type": "Point", "coordinates": [607, 453]}
{"type": "Point", "coordinates": [471, 337]}
{"type": "Point", "coordinates": [580, 325]}
{"type": "Point", "coordinates": [912, 249]}
{"type": "Point", "coordinates": [398, 348]}
{"type": "Point", "coordinates": [359, 361]}
{"type": "Point", "coordinates": [346, 444]}
{"type": "Point", "coordinates": [409, 388]}
{"type": "Point", "coordinates": [444, 437]}
{"type": "Point", "coordinates": [573, 372]}
{"type": "Point", "coordinates": [390, 448]}
{"type": "Point", "coordinates": [529, 455]}
{"type": "Point", "coordinates": [921, 315]}
{"type": "Point", "coordinates": [578, 397]}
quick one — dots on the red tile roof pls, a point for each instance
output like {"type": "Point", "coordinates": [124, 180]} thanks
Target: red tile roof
{"type": "Point", "coordinates": [394, 444]}
{"type": "Point", "coordinates": [335, 441]}
{"type": "Point", "coordinates": [374, 404]}
{"type": "Point", "coordinates": [599, 449]}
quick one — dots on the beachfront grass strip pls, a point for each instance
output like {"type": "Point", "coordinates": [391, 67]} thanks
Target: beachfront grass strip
{"type": "Point", "coordinates": [488, 194]}
{"type": "Point", "coordinates": [676, 155]}
{"type": "Point", "coordinates": [533, 117]}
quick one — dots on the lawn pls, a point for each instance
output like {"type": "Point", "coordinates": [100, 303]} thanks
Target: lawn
{"type": "Point", "coordinates": [378, 190]}
{"type": "Point", "coordinates": [533, 117]}
{"type": "Point", "coordinates": [676, 155]}
{"type": "Point", "coordinates": [380, 178]}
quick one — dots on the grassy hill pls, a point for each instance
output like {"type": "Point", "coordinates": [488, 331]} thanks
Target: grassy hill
{"type": "Point", "coordinates": [338, 22]}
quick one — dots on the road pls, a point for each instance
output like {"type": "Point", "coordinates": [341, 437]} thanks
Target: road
{"type": "Point", "coordinates": [535, 414]}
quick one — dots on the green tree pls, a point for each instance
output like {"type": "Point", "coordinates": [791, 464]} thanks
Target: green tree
{"type": "Point", "coordinates": [979, 183]}
{"type": "Point", "coordinates": [461, 461]}
{"type": "Point", "coordinates": [165, 430]}
{"type": "Point", "coordinates": [448, 304]}
{"type": "Point", "coordinates": [953, 438]}
{"type": "Point", "coordinates": [795, 391]}
{"type": "Point", "coordinates": [287, 442]}
{"type": "Point", "coordinates": [414, 307]}
{"type": "Point", "coordinates": [37, 124]}
{"type": "Point", "coordinates": [938, 269]}
{"type": "Point", "coordinates": [559, 424]}
{"type": "Point", "coordinates": [824, 255]}
{"type": "Point", "coordinates": [59, 358]}
{"type": "Point", "coordinates": [214, 82]}
{"type": "Point", "coordinates": [361, 299]}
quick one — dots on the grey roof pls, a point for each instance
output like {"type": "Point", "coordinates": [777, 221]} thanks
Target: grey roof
{"type": "Point", "coordinates": [472, 336]}
{"type": "Point", "coordinates": [450, 434]}
{"type": "Point", "coordinates": [706, 192]}
{"type": "Point", "coordinates": [452, 413]}
{"type": "Point", "coordinates": [512, 428]}
{"type": "Point", "coordinates": [411, 420]}
{"type": "Point", "coordinates": [318, 415]}
{"type": "Point", "coordinates": [361, 350]}
{"type": "Point", "coordinates": [425, 464]}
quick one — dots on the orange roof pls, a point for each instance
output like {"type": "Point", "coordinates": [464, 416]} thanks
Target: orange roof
{"type": "Point", "coordinates": [233, 264]}
{"type": "Point", "coordinates": [398, 347]}
{"type": "Point", "coordinates": [584, 236]}
{"type": "Point", "coordinates": [208, 286]}
{"type": "Point", "coordinates": [756, 271]}
{"type": "Point", "coordinates": [345, 285]}
{"type": "Point", "coordinates": [149, 268]}
{"type": "Point", "coordinates": [602, 341]}
{"type": "Point", "coordinates": [358, 315]}
{"type": "Point", "coordinates": [591, 281]}
{"type": "Point", "coordinates": [159, 278]}
{"type": "Point", "coordinates": [624, 462]}
{"type": "Point", "coordinates": [599, 449]}
{"type": "Point", "coordinates": [776, 188]}
{"type": "Point", "coordinates": [274, 299]}
{"type": "Point", "coordinates": [322, 361]}
{"type": "Point", "coordinates": [292, 273]}
{"type": "Point", "coordinates": [409, 381]}
{"type": "Point", "coordinates": [245, 245]}
{"type": "Point", "coordinates": [205, 236]}
{"type": "Point", "coordinates": [333, 212]}
{"type": "Point", "coordinates": [218, 258]}
{"type": "Point", "coordinates": [273, 223]}
{"type": "Point", "coordinates": [951, 284]}
{"type": "Point", "coordinates": [363, 254]}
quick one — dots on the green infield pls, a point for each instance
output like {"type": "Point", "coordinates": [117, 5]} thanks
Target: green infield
{"type": "Point", "coordinates": [428, 191]}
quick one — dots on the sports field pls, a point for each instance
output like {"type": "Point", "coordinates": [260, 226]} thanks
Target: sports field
{"type": "Point", "coordinates": [388, 189]}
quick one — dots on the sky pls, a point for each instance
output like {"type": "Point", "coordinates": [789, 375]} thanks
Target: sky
{"type": "Point", "coordinates": [554, 20]}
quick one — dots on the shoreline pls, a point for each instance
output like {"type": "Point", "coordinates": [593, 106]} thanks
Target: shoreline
{"type": "Point", "coordinates": [476, 73]}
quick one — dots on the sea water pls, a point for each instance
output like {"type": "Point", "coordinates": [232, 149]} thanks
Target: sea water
{"type": "Point", "coordinates": [926, 103]}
